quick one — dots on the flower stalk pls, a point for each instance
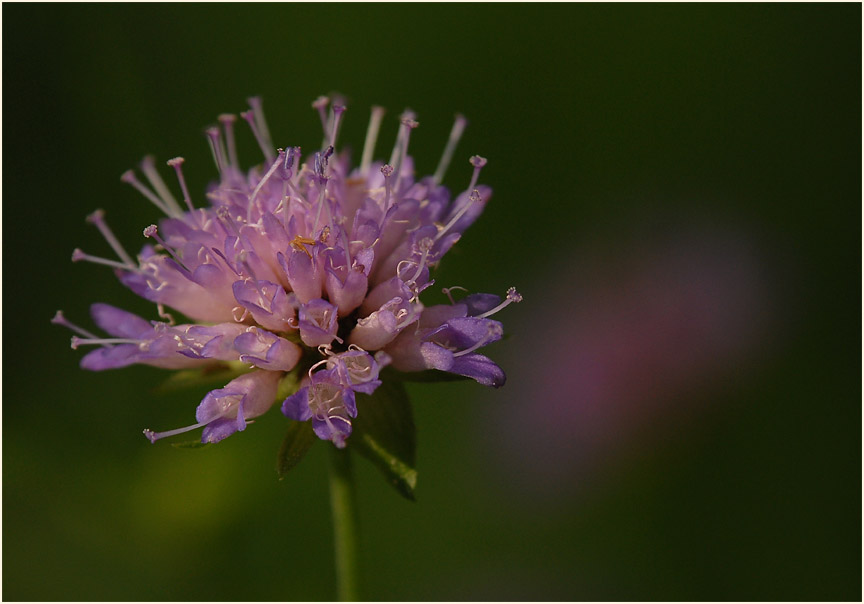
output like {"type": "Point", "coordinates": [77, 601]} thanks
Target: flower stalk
{"type": "Point", "coordinates": [344, 512]}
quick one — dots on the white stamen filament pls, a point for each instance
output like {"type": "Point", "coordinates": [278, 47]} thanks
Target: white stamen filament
{"type": "Point", "coordinates": [452, 142]}
{"type": "Point", "coordinates": [227, 120]}
{"type": "Point", "coordinates": [321, 105]}
{"type": "Point", "coordinates": [154, 436]}
{"type": "Point", "coordinates": [78, 255]}
{"type": "Point", "coordinates": [249, 116]}
{"type": "Point", "coordinates": [153, 231]}
{"type": "Point", "coordinates": [371, 139]}
{"type": "Point", "coordinates": [130, 178]}
{"type": "Point", "coordinates": [76, 341]}
{"type": "Point", "coordinates": [261, 123]}
{"type": "Point", "coordinates": [408, 124]}
{"type": "Point", "coordinates": [60, 319]}
{"type": "Point", "coordinates": [177, 164]}
{"type": "Point", "coordinates": [214, 137]}
{"type": "Point", "coordinates": [473, 198]}
{"type": "Point", "coordinates": [494, 330]}
{"type": "Point", "coordinates": [338, 110]}
{"type": "Point", "coordinates": [478, 163]}
{"type": "Point", "coordinates": [512, 296]}
{"type": "Point", "coordinates": [447, 290]}
{"type": "Point", "coordinates": [98, 218]}
{"type": "Point", "coordinates": [258, 187]}
{"type": "Point", "coordinates": [148, 166]}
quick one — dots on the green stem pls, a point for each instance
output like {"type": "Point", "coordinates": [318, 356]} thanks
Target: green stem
{"type": "Point", "coordinates": [344, 525]}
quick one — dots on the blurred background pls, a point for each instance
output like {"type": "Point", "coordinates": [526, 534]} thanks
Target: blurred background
{"type": "Point", "coordinates": [677, 195]}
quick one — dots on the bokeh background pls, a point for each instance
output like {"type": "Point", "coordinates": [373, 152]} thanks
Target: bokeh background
{"type": "Point", "coordinates": [677, 196]}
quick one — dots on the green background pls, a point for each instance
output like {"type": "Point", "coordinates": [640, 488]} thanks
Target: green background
{"type": "Point", "coordinates": [619, 137]}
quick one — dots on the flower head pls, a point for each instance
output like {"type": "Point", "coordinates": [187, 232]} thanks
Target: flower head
{"type": "Point", "coordinates": [298, 267]}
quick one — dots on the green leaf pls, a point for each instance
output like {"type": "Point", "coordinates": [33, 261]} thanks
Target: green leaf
{"type": "Point", "coordinates": [297, 442]}
{"type": "Point", "coordinates": [428, 376]}
{"type": "Point", "coordinates": [190, 444]}
{"type": "Point", "coordinates": [384, 433]}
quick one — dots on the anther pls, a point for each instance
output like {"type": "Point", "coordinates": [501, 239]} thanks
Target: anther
{"type": "Point", "coordinates": [371, 139]}
{"type": "Point", "coordinates": [177, 164]}
{"type": "Point", "coordinates": [447, 290]}
{"type": "Point", "coordinates": [455, 134]}
{"type": "Point", "coordinates": [97, 218]}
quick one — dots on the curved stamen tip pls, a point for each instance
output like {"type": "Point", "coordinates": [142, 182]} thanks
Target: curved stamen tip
{"type": "Point", "coordinates": [321, 101]}
{"type": "Point", "coordinates": [151, 436]}
{"type": "Point", "coordinates": [151, 231]}
{"type": "Point", "coordinates": [128, 176]}
{"type": "Point", "coordinates": [386, 170]}
{"type": "Point", "coordinates": [78, 254]}
{"type": "Point", "coordinates": [176, 161]}
{"type": "Point", "coordinates": [76, 341]}
{"type": "Point", "coordinates": [148, 162]}
{"type": "Point", "coordinates": [213, 132]}
{"type": "Point", "coordinates": [58, 318]}
{"type": "Point", "coordinates": [408, 121]}
{"type": "Point", "coordinates": [337, 109]}
{"type": "Point", "coordinates": [474, 196]}
{"type": "Point", "coordinates": [227, 118]}
{"type": "Point", "coordinates": [96, 216]}
{"type": "Point", "coordinates": [513, 295]}
{"type": "Point", "coordinates": [477, 161]}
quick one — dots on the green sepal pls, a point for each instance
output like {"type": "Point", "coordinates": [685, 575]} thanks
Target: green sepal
{"type": "Point", "coordinates": [190, 444]}
{"type": "Point", "coordinates": [427, 376]}
{"type": "Point", "coordinates": [384, 433]}
{"type": "Point", "coordinates": [297, 442]}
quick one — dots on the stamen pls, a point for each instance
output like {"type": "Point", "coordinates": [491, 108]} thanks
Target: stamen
{"type": "Point", "coordinates": [387, 171]}
{"type": "Point", "coordinates": [447, 290]}
{"type": "Point", "coordinates": [148, 166]}
{"type": "Point", "coordinates": [78, 256]}
{"type": "Point", "coordinates": [321, 105]}
{"type": "Point", "coordinates": [455, 135]}
{"type": "Point", "coordinates": [97, 218]}
{"type": "Point", "coordinates": [261, 123]}
{"type": "Point", "coordinates": [224, 216]}
{"type": "Point", "coordinates": [397, 146]}
{"type": "Point", "coordinates": [338, 110]}
{"type": "Point", "coordinates": [371, 139]}
{"type": "Point", "coordinates": [493, 331]}
{"type": "Point", "coordinates": [214, 137]}
{"type": "Point", "coordinates": [276, 165]}
{"type": "Point", "coordinates": [478, 163]}
{"type": "Point", "coordinates": [473, 198]}
{"type": "Point", "coordinates": [60, 319]}
{"type": "Point", "coordinates": [153, 231]}
{"type": "Point", "coordinates": [177, 164]}
{"type": "Point", "coordinates": [320, 171]}
{"type": "Point", "coordinates": [76, 341]}
{"type": "Point", "coordinates": [129, 177]}
{"type": "Point", "coordinates": [249, 116]}
{"type": "Point", "coordinates": [512, 296]}
{"type": "Point", "coordinates": [227, 120]}
{"type": "Point", "coordinates": [154, 436]}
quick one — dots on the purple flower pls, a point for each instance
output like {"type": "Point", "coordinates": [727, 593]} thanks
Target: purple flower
{"type": "Point", "coordinates": [311, 268]}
